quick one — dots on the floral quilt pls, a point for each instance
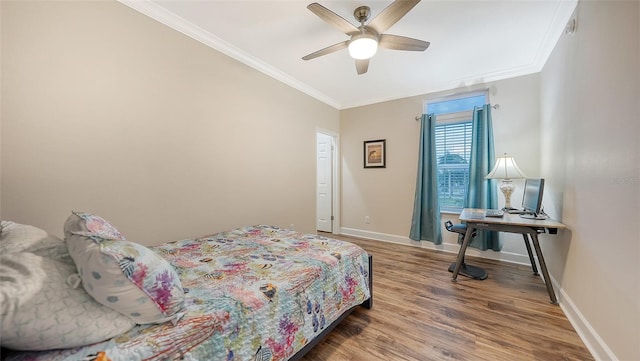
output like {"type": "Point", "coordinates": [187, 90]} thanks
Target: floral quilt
{"type": "Point", "coordinates": [254, 293]}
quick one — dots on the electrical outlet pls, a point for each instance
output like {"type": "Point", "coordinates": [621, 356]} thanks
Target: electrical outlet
{"type": "Point", "coordinates": [367, 220]}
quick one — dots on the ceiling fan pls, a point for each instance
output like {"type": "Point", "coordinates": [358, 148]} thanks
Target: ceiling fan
{"type": "Point", "coordinates": [365, 39]}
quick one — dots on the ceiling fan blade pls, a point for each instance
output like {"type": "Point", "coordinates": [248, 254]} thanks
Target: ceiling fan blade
{"type": "Point", "coordinates": [391, 14]}
{"type": "Point", "coordinates": [328, 50]}
{"type": "Point", "coordinates": [333, 19]}
{"type": "Point", "coordinates": [362, 65]}
{"type": "Point", "coordinates": [397, 42]}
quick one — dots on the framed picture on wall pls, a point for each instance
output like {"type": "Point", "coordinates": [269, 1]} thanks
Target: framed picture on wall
{"type": "Point", "coordinates": [375, 154]}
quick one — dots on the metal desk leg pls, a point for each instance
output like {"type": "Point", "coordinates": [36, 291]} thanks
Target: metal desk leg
{"type": "Point", "coordinates": [533, 261]}
{"type": "Point", "coordinates": [463, 249]}
{"type": "Point", "coordinates": [543, 267]}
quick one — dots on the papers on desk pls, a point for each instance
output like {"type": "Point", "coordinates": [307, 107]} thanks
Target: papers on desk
{"type": "Point", "coordinates": [476, 214]}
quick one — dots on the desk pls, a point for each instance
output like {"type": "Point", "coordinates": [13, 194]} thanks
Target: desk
{"type": "Point", "coordinates": [513, 223]}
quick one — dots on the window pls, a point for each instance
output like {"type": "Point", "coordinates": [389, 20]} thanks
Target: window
{"type": "Point", "coordinates": [453, 146]}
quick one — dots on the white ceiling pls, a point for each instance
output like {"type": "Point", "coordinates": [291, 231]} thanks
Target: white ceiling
{"type": "Point", "coordinates": [472, 42]}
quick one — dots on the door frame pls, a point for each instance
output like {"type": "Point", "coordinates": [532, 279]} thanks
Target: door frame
{"type": "Point", "coordinates": [335, 177]}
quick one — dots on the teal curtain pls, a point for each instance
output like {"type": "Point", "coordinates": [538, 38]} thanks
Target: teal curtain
{"type": "Point", "coordinates": [425, 224]}
{"type": "Point", "coordinates": [482, 192]}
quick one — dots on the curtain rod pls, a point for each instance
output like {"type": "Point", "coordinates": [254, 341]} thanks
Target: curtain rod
{"type": "Point", "coordinates": [495, 106]}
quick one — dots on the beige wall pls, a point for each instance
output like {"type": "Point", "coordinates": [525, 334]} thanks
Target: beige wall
{"type": "Point", "coordinates": [590, 152]}
{"type": "Point", "coordinates": [107, 111]}
{"type": "Point", "coordinates": [386, 195]}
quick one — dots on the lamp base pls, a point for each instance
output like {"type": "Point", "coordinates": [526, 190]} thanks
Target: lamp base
{"type": "Point", "coordinates": [507, 187]}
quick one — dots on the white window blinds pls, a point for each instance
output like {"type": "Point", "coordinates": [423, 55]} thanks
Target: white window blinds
{"type": "Point", "coordinates": [453, 147]}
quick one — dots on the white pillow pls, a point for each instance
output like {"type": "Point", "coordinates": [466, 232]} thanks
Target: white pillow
{"type": "Point", "coordinates": [16, 237]}
{"type": "Point", "coordinates": [41, 311]}
{"type": "Point", "coordinates": [123, 275]}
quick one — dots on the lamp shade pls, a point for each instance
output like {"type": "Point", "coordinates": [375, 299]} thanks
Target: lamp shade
{"type": "Point", "coordinates": [363, 46]}
{"type": "Point", "coordinates": [505, 168]}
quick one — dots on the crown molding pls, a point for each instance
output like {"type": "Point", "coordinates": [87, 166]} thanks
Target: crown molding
{"type": "Point", "coordinates": [558, 25]}
{"type": "Point", "coordinates": [468, 82]}
{"type": "Point", "coordinates": [163, 16]}
{"type": "Point", "coordinates": [149, 8]}
{"type": "Point", "coordinates": [557, 28]}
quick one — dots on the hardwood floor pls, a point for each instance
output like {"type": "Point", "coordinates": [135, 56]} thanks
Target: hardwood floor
{"type": "Point", "coordinates": [419, 314]}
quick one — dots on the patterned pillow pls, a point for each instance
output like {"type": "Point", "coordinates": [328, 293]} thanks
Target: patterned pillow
{"type": "Point", "coordinates": [86, 222]}
{"type": "Point", "coordinates": [41, 311]}
{"type": "Point", "coordinates": [123, 275]}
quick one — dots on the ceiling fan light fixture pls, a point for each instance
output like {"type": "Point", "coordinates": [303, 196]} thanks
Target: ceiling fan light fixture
{"type": "Point", "coordinates": [363, 46]}
{"type": "Point", "coordinates": [365, 39]}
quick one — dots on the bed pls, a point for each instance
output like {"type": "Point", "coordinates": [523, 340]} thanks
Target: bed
{"type": "Point", "coordinates": [254, 293]}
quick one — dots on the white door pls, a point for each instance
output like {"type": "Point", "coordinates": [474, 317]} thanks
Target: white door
{"type": "Point", "coordinates": [324, 194]}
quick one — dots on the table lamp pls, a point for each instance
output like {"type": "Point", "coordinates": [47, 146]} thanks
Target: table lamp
{"type": "Point", "coordinates": [506, 169]}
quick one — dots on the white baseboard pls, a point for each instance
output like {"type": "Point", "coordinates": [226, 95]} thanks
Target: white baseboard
{"type": "Point", "coordinates": [594, 343]}
{"type": "Point", "coordinates": [445, 247]}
